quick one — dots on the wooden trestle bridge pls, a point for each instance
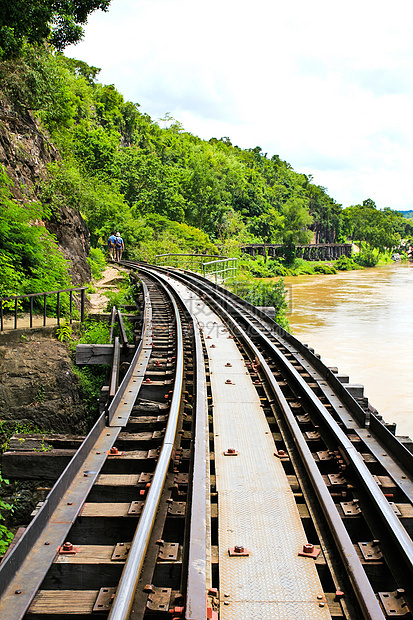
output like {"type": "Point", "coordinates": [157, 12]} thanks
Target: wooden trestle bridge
{"type": "Point", "coordinates": [311, 251]}
{"type": "Point", "coordinates": [231, 475]}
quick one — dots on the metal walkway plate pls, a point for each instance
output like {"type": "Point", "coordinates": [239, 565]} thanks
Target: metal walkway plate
{"type": "Point", "coordinates": [256, 507]}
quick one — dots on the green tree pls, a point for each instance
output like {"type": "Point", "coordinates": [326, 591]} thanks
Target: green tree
{"type": "Point", "coordinates": [296, 221]}
{"type": "Point", "coordinates": [30, 261]}
{"type": "Point", "coordinates": [59, 21]}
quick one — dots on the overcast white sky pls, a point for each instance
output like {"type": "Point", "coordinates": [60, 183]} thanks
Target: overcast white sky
{"type": "Point", "coordinates": [327, 86]}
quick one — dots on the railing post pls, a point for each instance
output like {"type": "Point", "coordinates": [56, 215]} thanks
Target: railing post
{"type": "Point", "coordinates": [15, 314]}
{"type": "Point", "coordinates": [31, 311]}
{"type": "Point", "coordinates": [44, 310]}
{"type": "Point", "coordinates": [1, 314]}
{"type": "Point", "coordinates": [70, 305]}
{"type": "Point", "coordinates": [58, 308]}
{"type": "Point", "coordinates": [82, 305]}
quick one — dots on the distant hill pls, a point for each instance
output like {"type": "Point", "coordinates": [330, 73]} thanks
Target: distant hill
{"type": "Point", "coordinates": [408, 214]}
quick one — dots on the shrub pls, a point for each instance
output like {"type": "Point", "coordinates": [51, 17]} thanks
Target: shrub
{"type": "Point", "coordinates": [97, 262]}
{"type": "Point", "coordinates": [324, 268]}
{"type": "Point", "coordinates": [367, 258]}
{"type": "Point", "coordinates": [345, 264]}
{"type": "Point", "coordinates": [263, 293]}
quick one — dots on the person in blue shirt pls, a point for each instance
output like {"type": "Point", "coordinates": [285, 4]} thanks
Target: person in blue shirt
{"type": "Point", "coordinates": [111, 245]}
{"type": "Point", "coordinates": [119, 247]}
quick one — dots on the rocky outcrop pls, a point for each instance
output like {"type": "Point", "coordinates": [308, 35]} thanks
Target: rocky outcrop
{"type": "Point", "coordinates": [25, 152]}
{"type": "Point", "coordinates": [38, 387]}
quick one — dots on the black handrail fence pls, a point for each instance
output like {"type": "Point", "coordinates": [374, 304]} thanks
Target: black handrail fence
{"type": "Point", "coordinates": [32, 296]}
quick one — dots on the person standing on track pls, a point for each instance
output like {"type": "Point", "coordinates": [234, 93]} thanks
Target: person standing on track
{"type": "Point", "coordinates": [119, 247]}
{"type": "Point", "coordinates": [111, 245]}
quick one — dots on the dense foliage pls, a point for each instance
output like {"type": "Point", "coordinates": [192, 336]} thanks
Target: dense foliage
{"type": "Point", "coordinates": [163, 188]}
{"type": "Point", "coordinates": [30, 261]}
{"type": "Point", "coordinates": [37, 21]}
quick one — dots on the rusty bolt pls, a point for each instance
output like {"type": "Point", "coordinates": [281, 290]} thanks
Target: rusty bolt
{"type": "Point", "coordinates": [18, 591]}
{"type": "Point", "coordinates": [114, 450]}
{"type": "Point", "coordinates": [228, 382]}
{"type": "Point", "coordinates": [231, 450]}
{"type": "Point", "coordinates": [238, 549]}
{"type": "Point", "coordinates": [213, 346]}
{"type": "Point", "coordinates": [228, 365]}
{"type": "Point", "coordinates": [67, 546]}
{"type": "Point", "coordinates": [308, 548]}
{"type": "Point", "coordinates": [339, 594]}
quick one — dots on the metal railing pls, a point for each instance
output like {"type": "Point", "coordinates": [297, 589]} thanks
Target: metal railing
{"type": "Point", "coordinates": [31, 297]}
{"type": "Point", "coordinates": [184, 261]}
{"type": "Point", "coordinates": [222, 268]}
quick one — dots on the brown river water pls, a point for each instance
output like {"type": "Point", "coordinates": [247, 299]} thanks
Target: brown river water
{"type": "Point", "coordinates": [362, 322]}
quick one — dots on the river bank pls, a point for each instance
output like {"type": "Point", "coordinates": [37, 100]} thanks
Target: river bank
{"type": "Point", "coordinates": [362, 322]}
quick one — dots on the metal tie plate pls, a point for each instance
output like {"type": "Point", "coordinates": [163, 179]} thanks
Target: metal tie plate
{"type": "Point", "coordinates": [168, 552]}
{"type": "Point", "coordinates": [135, 509]}
{"type": "Point", "coordinates": [370, 550]}
{"type": "Point", "coordinates": [177, 509]}
{"type": "Point", "coordinates": [120, 552]}
{"type": "Point", "coordinates": [394, 603]}
{"type": "Point", "coordinates": [104, 599]}
{"type": "Point", "coordinates": [159, 599]}
{"type": "Point", "coordinates": [350, 508]}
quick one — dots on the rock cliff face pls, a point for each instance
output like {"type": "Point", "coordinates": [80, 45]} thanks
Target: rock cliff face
{"type": "Point", "coordinates": [25, 152]}
{"type": "Point", "coordinates": [37, 383]}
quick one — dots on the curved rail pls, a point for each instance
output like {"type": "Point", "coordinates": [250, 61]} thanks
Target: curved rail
{"type": "Point", "coordinates": [199, 553]}
{"type": "Point", "coordinates": [23, 570]}
{"type": "Point", "coordinates": [400, 539]}
{"type": "Point", "coordinates": [126, 589]}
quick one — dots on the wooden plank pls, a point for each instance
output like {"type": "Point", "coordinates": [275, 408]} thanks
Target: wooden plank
{"type": "Point", "coordinates": [129, 437]}
{"type": "Point", "coordinates": [334, 606]}
{"type": "Point", "coordinates": [40, 441]}
{"type": "Point", "coordinates": [49, 464]}
{"type": "Point", "coordinates": [94, 354]}
{"type": "Point", "coordinates": [118, 480]}
{"type": "Point", "coordinates": [87, 354]}
{"type": "Point", "coordinates": [105, 509]}
{"type": "Point", "coordinates": [36, 465]}
{"type": "Point", "coordinates": [63, 602]}
{"type": "Point", "coordinates": [88, 554]}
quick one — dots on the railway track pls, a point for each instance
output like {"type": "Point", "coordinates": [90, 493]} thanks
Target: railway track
{"type": "Point", "coordinates": [143, 501]}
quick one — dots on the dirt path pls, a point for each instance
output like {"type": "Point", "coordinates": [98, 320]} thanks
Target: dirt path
{"type": "Point", "coordinates": [110, 280]}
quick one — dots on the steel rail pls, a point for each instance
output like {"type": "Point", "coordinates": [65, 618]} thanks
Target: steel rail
{"type": "Point", "coordinates": [199, 556]}
{"type": "Point", "coordinates": [397, 532]}
{"type": "Point", "coordinates": [399, 452]}
{"type": "Point", "coordinates": [125, 592]}
{"type": "Point", "coordinates": [361, 585]}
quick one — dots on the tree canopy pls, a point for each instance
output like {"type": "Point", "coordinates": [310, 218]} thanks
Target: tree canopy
{"type": "Point", "coordinates": [164, 188]}
{"type": "Point", "coordinates": [57, 21]}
